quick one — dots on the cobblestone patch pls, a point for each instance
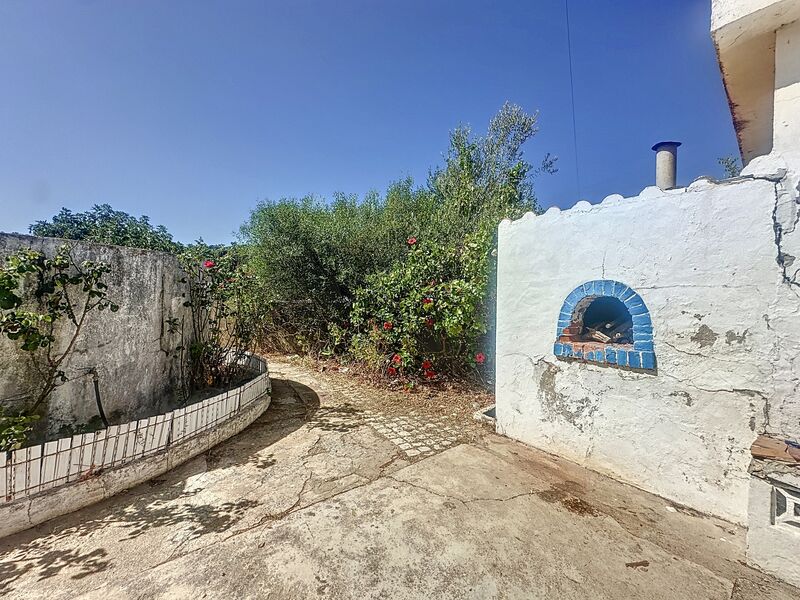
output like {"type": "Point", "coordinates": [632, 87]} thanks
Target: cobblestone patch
{"type": "Point", "coordinates": [414, 435]}
{"type": "Point", "coordinates": [347, 405]}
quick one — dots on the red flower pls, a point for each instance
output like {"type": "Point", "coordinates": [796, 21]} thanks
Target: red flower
{"type": "Point", "coordinates": [391, 371]}
{"type": "Point", "coordinates": [430, 374]}
{"type": "Point", "coordinates": [411, 241]}
{"type": "Point", "coordinates": [426, 365]}
{"type": "Point", "coordinates": [480, 358]}
{"type": "Point", "coordinates": [209, 263]}
{"type": "Point", "coordinates": [427, 300]}
{"type": "Point", "coordinates": [397, 359]}
{"type": "Point", "coordinates": [387, 325]}
{"type": "Point", "coordinates": [428, 322]}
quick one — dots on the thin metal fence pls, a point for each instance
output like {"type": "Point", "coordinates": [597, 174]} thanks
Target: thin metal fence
{"type": "Point", "coordinates": [33, 469]}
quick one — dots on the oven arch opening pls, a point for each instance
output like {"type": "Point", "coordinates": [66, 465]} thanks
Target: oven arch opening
{"type": "Point", "coordinates": [606, 322]}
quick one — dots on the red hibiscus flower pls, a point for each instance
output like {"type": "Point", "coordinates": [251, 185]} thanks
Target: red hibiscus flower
{"type": "Point", "coordinates": [209, 263]}
{"type": "Point", "coordinates": [397, 359]}
{"type": "Point", "coordinates": [427, 300]}
{"type": "Point", "coordinates": [387, 325]}
{"type": "Point", "coordinates": [411, 241]}
{"type": "Point", "coordinates": [391, 371]}
{"type": "Point", "coordinates": [480, 358]}
{"type": "Point", "coordinates": [430, 374]}
{"type": "Point", "coordinates": [426, 365]}
{"type": "Point", "coordinates": [428, 323]}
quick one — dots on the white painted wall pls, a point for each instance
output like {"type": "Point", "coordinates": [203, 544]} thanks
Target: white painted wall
{"type": "Point", "coordinates": [757, 46]}
{"type": "Point", "coordinates": [786, 119]}
{"type": "Point", "coordinates": [727, 338]}
{"type": "Point", "coordinates": [751, 17]}
{"type": "Point", "coordinates": [772, 547]}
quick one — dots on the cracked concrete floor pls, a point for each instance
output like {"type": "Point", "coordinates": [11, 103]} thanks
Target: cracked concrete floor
{"type": "Point", "coordinates": [312, 501]}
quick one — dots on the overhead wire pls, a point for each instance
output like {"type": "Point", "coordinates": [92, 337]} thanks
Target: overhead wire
{"type": "Point", "coordinates": [572, 101]}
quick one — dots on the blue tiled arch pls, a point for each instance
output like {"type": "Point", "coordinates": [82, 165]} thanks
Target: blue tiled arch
{"type": "Point", "coordinates": [642, 356]}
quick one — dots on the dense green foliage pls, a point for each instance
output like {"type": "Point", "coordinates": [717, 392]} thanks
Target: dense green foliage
{"type": "Point", "coordinates": [399, 282]}
{"type": "Point", "coordinates": [14, 429]}
{"type": "Point", "coordinates": [310, 258]}
{"type": "Point", "coordinates": [425, 314]}
{"type": "Point", "coordinates": [105, 225]}
{"type": "Point", "coordinates": [225, 317]}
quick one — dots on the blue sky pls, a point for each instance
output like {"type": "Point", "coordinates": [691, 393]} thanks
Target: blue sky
{"type": "Point", "coordinates": [193, 111]}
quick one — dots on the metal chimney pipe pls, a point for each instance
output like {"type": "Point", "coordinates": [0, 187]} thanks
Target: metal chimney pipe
{"type": "Point", "coordinates": [666, 164]}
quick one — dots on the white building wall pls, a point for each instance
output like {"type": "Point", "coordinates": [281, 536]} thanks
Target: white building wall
{"type": "Point", "coordinates": [786, 123]}
{"type": "Point", "coordinates": [726, 332]}
{"type": "Point", "coordinates": [773, 544]}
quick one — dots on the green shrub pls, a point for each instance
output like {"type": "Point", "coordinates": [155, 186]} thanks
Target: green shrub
{"type": "Point", "coordinates": [105, 225]}
{"type": "Point", "coordinates": [425, 315]}
{"type": "Point", "coordinates": [402, 282]}
{"type": "Point", "coordinates": [14, 430]}
{"type": "Point", "coordinates": [225, 315]}
{"type": "Point", "coordinates": [430, 313]}
{"type": "Point", "coordinates": [309, 258]}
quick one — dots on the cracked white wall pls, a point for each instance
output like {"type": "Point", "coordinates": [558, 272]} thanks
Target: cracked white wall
{"type": "Point", "coordinates": [724, 305]}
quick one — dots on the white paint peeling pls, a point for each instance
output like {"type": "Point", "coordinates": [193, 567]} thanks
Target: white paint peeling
{"type": "Point", "coordinates": [704, 261]}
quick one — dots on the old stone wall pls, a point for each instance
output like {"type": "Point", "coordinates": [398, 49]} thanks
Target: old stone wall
{"type": "Point", "coordinates": [714, 265]}
{"type": "Point", "coordinates": [132, 350]}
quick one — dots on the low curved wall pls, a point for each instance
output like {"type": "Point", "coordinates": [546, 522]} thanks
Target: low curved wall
{"type": "Point", "coordinates": [41, 482]}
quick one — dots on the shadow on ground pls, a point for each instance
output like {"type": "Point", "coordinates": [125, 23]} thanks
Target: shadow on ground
{"type": "Point", "coordinates": [161, 502]}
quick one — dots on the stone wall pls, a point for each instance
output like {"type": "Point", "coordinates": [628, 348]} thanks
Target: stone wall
{"type": "Point", "coordinates": [714, 265]}
{"type": "Point", "coordinates": [132, 349]}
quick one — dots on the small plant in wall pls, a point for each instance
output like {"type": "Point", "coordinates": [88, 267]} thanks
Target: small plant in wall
{"type": "Point", "coordinates": [44, 305]}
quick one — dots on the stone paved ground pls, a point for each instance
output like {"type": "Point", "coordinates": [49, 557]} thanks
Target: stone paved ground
{"type": "Point", "coordinates": [329, 495]}
{"type": "Point", "coordinates": [415, 436]}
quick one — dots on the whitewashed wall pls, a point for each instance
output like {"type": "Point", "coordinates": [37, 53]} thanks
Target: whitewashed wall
{"type": "Point", "coordinates": [726, 332]}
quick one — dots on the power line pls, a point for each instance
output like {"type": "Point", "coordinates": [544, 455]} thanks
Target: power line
{"type": "Point", "coordinates": [572, 98]}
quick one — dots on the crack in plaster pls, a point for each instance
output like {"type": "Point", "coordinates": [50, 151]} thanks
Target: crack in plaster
{"type": "Point", "coordinates": [783, 228]}
{"type": "Point", "coordinates": [731, 390]}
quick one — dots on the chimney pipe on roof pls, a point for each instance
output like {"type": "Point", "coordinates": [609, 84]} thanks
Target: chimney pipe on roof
{"type": "Point", "coordinates": [666, 164]}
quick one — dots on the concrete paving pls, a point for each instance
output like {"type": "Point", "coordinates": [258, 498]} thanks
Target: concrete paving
{"type": "Point", "coordinates": [314, 501]}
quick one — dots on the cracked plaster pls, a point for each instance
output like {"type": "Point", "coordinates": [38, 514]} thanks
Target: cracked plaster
{"type": "Point", "coordinates": [717, 252]}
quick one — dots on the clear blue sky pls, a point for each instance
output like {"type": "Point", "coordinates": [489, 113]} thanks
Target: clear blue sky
{"type": "Point", "coordinates": [193, 111]}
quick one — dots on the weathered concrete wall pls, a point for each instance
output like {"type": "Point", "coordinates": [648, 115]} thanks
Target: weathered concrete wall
{"type": "Point", "coordinates": [132, 349]}
{"type": "Point", "coordinates": [714, 266]}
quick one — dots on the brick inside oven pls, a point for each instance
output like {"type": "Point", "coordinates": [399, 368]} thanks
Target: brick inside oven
{"type": "Point", "coordinates": [606, 322]}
